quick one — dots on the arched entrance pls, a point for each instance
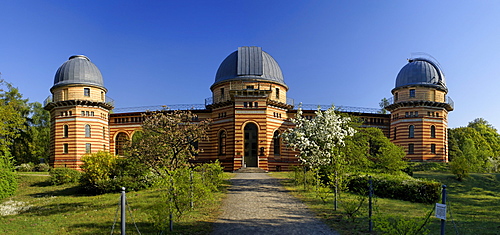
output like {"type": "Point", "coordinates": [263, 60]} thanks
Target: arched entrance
{"type": "Point", "coordinates": [250, 145]}
{"type": "Point", "coordinates": [120, 143]}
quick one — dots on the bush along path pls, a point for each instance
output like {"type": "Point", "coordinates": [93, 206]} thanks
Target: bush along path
{"type": "Point", "coordinates": [257, 204]}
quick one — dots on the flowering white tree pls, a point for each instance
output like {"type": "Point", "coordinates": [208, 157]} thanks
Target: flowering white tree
{"type": "Point", "coordinates": [318, 138]}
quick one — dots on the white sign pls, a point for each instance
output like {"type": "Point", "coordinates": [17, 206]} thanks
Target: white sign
{"type": "Point", "coordinates": [441, 211]}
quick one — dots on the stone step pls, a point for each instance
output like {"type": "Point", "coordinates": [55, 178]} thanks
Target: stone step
{"type": "Point", "coordinates": [250, 170]}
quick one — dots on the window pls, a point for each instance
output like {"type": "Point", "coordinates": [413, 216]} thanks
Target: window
{"type": "Point", "coordinates": [395, 129]}
{"type": "Point", "coordinates": [411, 131]}
{"type": "Point", "coordinates": [396, 96]}
{"type": "Point", "coordinates": [65, 148]}
{"type": "Point", "coordinates": [433, 148]}
{"type": "Point", "coordinates": [411, 149]}
{"type": "Point", "coordinates": [86, 91]}
{"type": "Point", "coordinates": [87, 130]}
{"type": "Point", "coordinates": [277, 143]}
{"type": "Point", "coordinates": [120, 143]}
{"type": "Point", "coordinates": [412, 93]}
{"type": "Point", "coordinates": [222, 143]}
{"type": "Point", "coordinates": [433, 132]}
{"type": "Point", "coordinates": [88, 147]}
{"type": "Point", "coordinates": [222, 94]}
{"type": "Point", "coordinates": [256, 105]}
{"type": "Point", "coordinates": [65, 131]}
{"type": "Point", "coordinates": [104, 132]}
{"type": "Point", "coordinates": [277, 93]}
{"type": "Point", "coordinates": [416, 113]}
{"type": "Point", "coordinates": [102, 96]}
{"type": "Point", "coordinates": [83, 113]}
{"type": "Point", "coordinates": [245, 104]}
{"type": "Point", "coordinates": [250, 87]}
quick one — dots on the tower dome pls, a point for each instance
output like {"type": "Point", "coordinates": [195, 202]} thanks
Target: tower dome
{"type": "Point", "coordinates": [249, 64]}
{"type": "Point", "coordinates": [421, 72]}
{"type": "Point", "coordinates": [78, 70]}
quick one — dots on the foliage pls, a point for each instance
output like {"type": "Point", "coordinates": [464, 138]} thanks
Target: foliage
{"type": "Point", "coordinates": [168, 140]}
{"type": "Point", "coordinates": [59, 176]}
{"type": "Point", "coordinates": [104, 172]}
{"type": "Point", "coordinates": [8, 181]}
{"type": "Point", "coordinates": [384, 102]}
{"type": "Point", "coordinates": [184, 189]}
{"type": "Point", "coordinates": [355, 207]}
{"type": "Point", "coordinates": [402, 187]}
{"type": "Point", "coordinates": [26, 167]}
{"type": "Point", "coordinates": [478, 144]}
{"type": "Point", "coordinates": [25, 131]}
{"type": "Point", "coordinates": [460, 167]}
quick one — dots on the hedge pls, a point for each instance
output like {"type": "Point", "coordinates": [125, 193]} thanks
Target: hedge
{"type": "Point", "coordinates": [397, 187]}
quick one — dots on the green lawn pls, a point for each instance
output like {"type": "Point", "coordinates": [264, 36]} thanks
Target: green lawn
{"type": "Point", "coordinates": [474, 205]}
{"type": "Point", "coordinates": [48, 209]}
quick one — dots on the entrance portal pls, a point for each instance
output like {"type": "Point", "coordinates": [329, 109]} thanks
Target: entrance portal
{"type": "Point", "coordinates": [251, 145]}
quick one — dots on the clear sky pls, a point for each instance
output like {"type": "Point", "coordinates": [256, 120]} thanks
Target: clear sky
{"type": "Point", "coordinates": [331, 52]}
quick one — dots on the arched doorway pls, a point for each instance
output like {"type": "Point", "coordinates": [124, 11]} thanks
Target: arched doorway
{"type": "Point", "coordinates": [120, 143]}
{"type": "Point", "coordinates": [250, 145]}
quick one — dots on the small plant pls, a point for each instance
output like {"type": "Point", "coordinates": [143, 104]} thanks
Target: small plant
{"type": "Point", "coordinates": [352, 208]}
{"type": "Point", "coordinates": [401, 226]}
{"type": "Point", "coordinates": [59, 176]}
{"type": "Point", "coordinates": [42, 167]}
{"type": "Point", "coordinates": [26, 167]}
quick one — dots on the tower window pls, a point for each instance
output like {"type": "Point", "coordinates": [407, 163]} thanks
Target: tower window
{"type": "Point", "coordinates": [88, 147]}
{"type": "Point", "coordinates": [395, 129]}
{"type": "Point", "coordinates": [86, 91]}
{"type": "Point", "coordinates": [277, 93]}
{"type": "Point", "coordinates": [222, 94]}
{"type": "Point", "coordinates": [222, 143]}
{"type": "Point", "coordinates": [396, 96]}
{"type": "Point", "coordinates": [411, 131]}
{"type": "Point", "coordinates": [411, 149]}
{"type": "Point", "coordinates": [104, 132]}
{"type": "Point", "coordinates": [65, 148]}
{"type": "Point", "coordinates": [245, 104]}
{"type": "Point", "coordinates": [433, 132]}
{"type": "Point", "coordinates": [250, 87]}
{"type": "Point", "coordinates": [87, 130]}
{"type": "Point", "coordinates": [412, 93]}
{"type": "Point", "coordinates": [65, 131]}
{"type": "Point", "coordinates": [433, 148]}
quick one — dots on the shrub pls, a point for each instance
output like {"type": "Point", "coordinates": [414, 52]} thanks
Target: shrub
{"type": "Point", "coordinates": [8, 181]}
{"type": "Point", "coordinates": [104, 172]}
{"type": "Point", "coordinates": [42, 167]}
{"type": "Point", "coordinates": [400, 187]}
{"type": "Point", "coordinates": [60, 176]}
{"type": "Point", "coordinates": [26, 167]}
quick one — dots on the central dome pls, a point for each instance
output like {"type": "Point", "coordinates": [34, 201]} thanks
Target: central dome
{"type": "Point", "coordinates": [423, 72]}
{"type": "Point", "coordinates": [249, 64]}
{"type": "Point", "coordinates": [78, 70]}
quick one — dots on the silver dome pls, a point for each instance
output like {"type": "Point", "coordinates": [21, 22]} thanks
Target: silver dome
{"type": "Point", "coordinates": [421, 71]}
{"type": "Point", "coordinates": [249, 64]}
{"type": "Point", "coordinates": [78, 70]}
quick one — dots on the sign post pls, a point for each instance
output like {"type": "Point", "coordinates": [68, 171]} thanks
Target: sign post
{"type": "Point", "coordinates": [441, 210]}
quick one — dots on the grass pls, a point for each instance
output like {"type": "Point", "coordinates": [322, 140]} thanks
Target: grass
{"type": "Point", "coordinates": [49, 209]}
{"type": "Point", "coordinates": [474, 205]}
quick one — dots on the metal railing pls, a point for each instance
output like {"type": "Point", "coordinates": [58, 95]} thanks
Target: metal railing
{"type": "Point", "coordinates": [159, 108]}
{"type": "Point", "coordinates": [419, 97]}
{"type": "Point", "coordinates": [108, 100]}
{"type": "Point", "coordinates": [341, 108]}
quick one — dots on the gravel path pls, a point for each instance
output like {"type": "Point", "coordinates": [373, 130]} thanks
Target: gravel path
{"type": "Point", "coordinates": [258, 204]}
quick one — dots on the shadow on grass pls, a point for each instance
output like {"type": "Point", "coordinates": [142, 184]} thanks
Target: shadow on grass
{"type": "Point", "coordinates": [143, 227]}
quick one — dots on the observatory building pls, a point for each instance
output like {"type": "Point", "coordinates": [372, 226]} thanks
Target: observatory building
{"type": "Point", "coordinates": [249, 109]}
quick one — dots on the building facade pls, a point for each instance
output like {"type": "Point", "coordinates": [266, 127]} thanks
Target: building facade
{"type": "Point", "coordinates": [249, 109]}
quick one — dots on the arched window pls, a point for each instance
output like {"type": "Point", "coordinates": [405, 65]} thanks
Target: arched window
{"type": "Point", "coordinates": [65, 131]}
{"type": "Point", "coordinates": [222, 143]}
{"type": "Point", "coordinates": [87, 130]}
{"type": "Point", "coordinates": [433, 131]}
{"type": "Point", "coordinates": [394, 135]}
{"type": "Point", "coordinates": [411, 149]}
{"type": "Point", "coordinates": [120, 143]}
{"type": "Point", "coordinates": [411, 131]}
{"type": "Point", "coordinates": [277, 143]}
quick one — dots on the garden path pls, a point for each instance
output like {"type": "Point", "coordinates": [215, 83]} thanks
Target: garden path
{"type": "Point", "coordinates": [257, 204]}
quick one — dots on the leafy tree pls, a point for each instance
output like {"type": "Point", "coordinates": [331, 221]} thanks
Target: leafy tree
{"type": "Point", "coordinates": [384, 102]}
{"type": "Point", "coordinates": [168, 140]}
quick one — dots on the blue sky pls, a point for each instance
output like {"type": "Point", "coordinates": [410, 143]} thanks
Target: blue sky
{"type": "Point", "coordinates": [331, 52]}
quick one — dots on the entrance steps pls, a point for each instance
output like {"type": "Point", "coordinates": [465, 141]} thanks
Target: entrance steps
{"type": "Point", "coordinates": [250, 170]}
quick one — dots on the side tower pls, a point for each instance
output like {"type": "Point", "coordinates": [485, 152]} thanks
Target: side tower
{"type": "Point", "coordinates": [249, 110]}
{"type": "Point", "coordinates": [79, 112]}
{"type": "Point", "coordinates": [419, 111]}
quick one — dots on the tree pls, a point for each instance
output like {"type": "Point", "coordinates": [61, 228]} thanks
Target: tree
{"type": "Point", "coordinates": [384, 102]}
{"type": "Point", "coordinates": [168, 140]}
{"type": "Point", "coordinates": [319, 141]}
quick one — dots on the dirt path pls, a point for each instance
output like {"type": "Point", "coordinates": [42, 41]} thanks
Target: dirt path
{"type": "Point", "coordinates": [258, 204]}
